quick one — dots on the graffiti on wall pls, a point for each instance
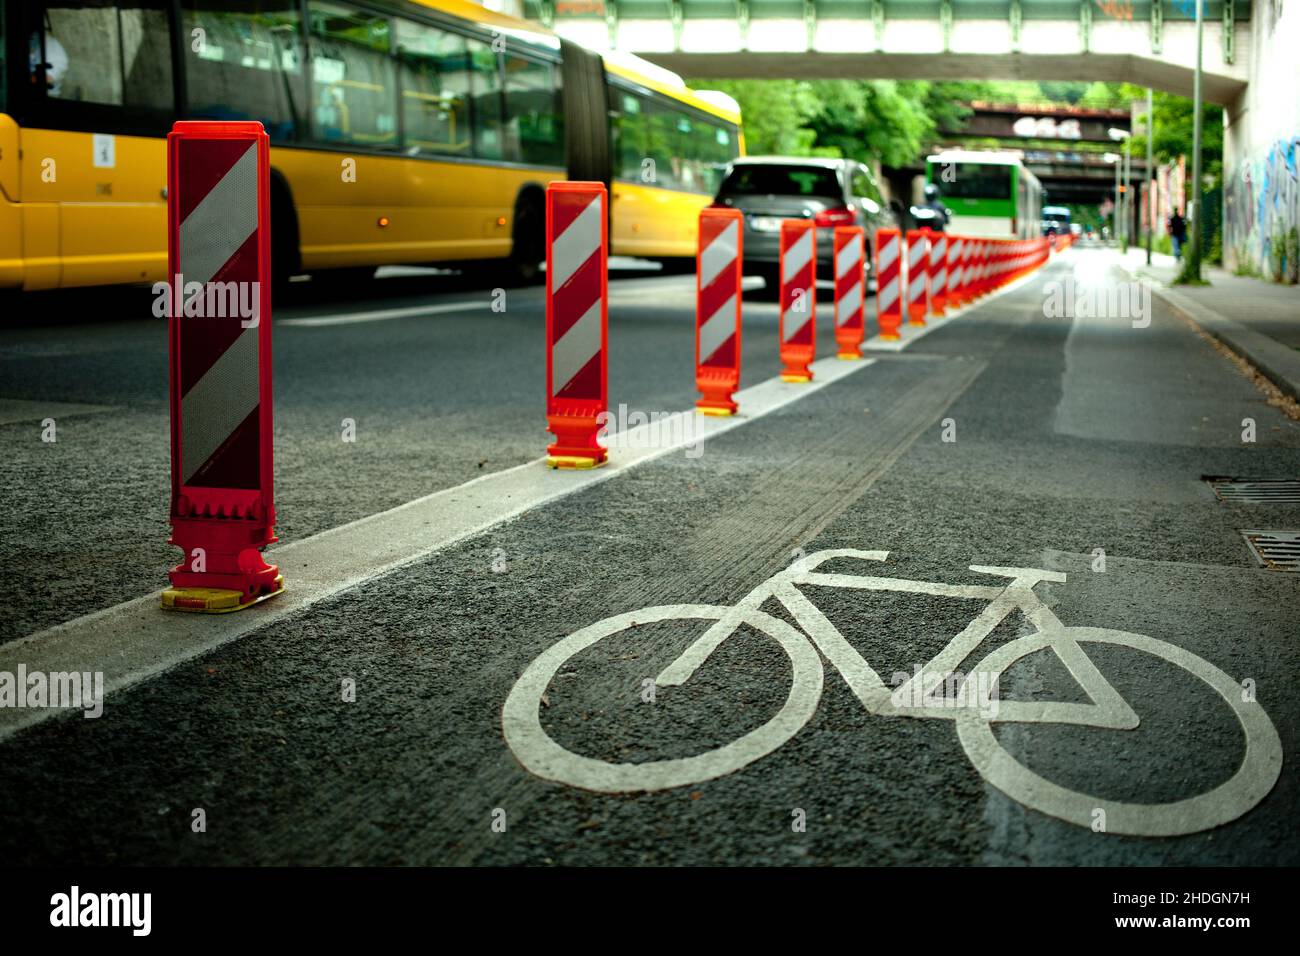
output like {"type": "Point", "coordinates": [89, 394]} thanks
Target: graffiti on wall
{"type": "Point", "coordinates": [1263, 209]}
{"type": "Point", "coordinates": [1118, 9]}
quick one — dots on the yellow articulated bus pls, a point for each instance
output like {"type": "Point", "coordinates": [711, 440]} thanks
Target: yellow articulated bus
{"type": "Point", "coordinates": [402, 133]}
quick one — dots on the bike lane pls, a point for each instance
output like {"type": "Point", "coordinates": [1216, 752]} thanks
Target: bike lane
{"type": "Point", "coordinates": [415, 769]}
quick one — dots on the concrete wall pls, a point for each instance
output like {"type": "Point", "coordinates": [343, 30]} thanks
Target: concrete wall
{"type": "Point", "coordinates": [1261, 148]}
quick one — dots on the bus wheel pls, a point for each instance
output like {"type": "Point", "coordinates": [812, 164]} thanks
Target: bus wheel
{"type": "Point", "coordinates": [286, 256]}
{"type": "Point", "coordinates": [528, 247]}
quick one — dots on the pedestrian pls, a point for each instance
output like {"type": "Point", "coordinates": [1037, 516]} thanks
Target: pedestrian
{"type": "Point", "coordinates": [1178, 234]}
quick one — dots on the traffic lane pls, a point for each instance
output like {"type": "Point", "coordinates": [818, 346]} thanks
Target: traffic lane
{"type": "Point", "coordinates": [433, 400]}
{"type": "Point", "coordinates": [414, 771]}
{"type": "Point", "coordinates": [434, 650]}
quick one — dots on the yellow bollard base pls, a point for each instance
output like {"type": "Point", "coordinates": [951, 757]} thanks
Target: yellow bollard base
{"type": "Point", "coordinates": [848, 356]}
{"type": "Point", "coordinates": [797, 379]}
{"type": "Point", "coordinates": [212, 600]}
{"type": "Point", "coordinates": [574, 461]}
{"type": "Point", "coordinates": [715, 412]}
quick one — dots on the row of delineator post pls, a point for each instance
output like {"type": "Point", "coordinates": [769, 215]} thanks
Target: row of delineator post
{"type": "Point", "coordinates": [920, 275]}
{"type": "Point", "coordinates": [219, 237]}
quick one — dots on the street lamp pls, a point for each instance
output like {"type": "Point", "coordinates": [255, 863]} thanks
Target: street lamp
{"type": "Point", "coordinates": [1193, 273]}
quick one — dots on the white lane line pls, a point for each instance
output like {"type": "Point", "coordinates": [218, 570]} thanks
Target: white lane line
{"type": "Point", "coordinates": [135, 641]}
{"type": "Point", "coordinates": [382, 315]}
{"type": "Point", "coordinates": [21, 410]}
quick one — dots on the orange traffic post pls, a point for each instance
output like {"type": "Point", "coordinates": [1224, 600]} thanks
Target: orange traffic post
{"type": "Point", "coordinates": [938, 273]}
{"type": "Point", "coordinates": [889, 298]}
{"type": "Point", "coordinates": [718, 274]}
{"type": "Point", "coordinates": [798, 298]}
{"type": "Point", "coordinates": [577, 323]}
{"type": "Point", "coordinates": [219, 341]}
{"type": "Point", "coordinates": [918, 276]}
{"type": "Point", "coordinates": [967, 270]}
{"type": "Point", "coordinates": [850, 286]}
{"type": "Point", "coordinates": [956, 249]}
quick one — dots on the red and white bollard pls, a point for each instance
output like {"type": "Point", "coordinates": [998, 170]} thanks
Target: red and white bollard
{"type": "Point", "coordinates": [717, 310]}
{"type": "Point", "coordinates": [798, 298]}
{"type": "Point", "coordinates": [889, 295]}
{"type": "Point", "coordinates": [956, 273]}
{"type": "Point", "coordinates": [938, 273]}
{"type": "Point", "coordinates": [918, 276]}
{"type": "Point", "coordinates": [577, 323]}
{"type": "Point", "coordinates": [850, 281]}
{"type": "Point", "coordinates": [219, 331]}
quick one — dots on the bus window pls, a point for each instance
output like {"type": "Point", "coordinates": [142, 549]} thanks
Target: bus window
{"type": "Point", "coordinates": [978, 181]}
{"type": "Point", "coordinates": [631, 136]}
{"type": "Point", "coordinates": [353, 82]}
{"type": "Point", "coordinates": [434, 66]}
{"type": "Point", "coordinates": [534, 121]}
{"type": "Point", "coordinates": [102, 53]}
{"type": "Point", "coordinates": [489, 141]}
{"type": "Point", "coordinates": [245, 63]}
{"type": "Point", "coordinates": [714, 147]}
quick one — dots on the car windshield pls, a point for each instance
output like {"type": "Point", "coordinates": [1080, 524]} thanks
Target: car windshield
{"type": "Point", "coordinates": [748, 179]}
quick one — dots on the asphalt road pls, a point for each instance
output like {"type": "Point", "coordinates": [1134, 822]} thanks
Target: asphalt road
{"type": "Point", "coordinates": [1071, 435]}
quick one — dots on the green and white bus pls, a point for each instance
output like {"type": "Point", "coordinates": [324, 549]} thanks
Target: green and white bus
{"type": "Point", "coordinates": [987, 193]}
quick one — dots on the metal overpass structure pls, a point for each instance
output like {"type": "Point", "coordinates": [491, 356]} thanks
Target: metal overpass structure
{"type": "Point", "coordinates": [1145, 42]}
{"type": "Point", "coordinates": [1063, 145]}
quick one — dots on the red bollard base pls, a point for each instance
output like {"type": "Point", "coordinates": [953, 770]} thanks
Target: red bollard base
{"type": "Point", "coordinates": [795, 364]}
{"type": "Point", "coordinates": [716, 390]}
{"type": "Point", "coordinates": [916, 319]}
{"type": "Point", "coordinates": [234, 575]}
{"type": "Point", "coordinates": [575, 442]}
{"type": "Point", "coordinates": [849, 342]}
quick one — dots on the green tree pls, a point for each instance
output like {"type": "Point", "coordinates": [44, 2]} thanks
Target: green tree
{"type": "Point", "coordinates": [775, 114]}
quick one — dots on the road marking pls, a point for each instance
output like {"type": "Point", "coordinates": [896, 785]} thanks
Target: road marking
{"type": "Point", "coordinates": [624, 292]}
{"type": "Point", "coordinates": [134, 641]}
{"type": "Point", "coordinates": [972, 713]}
{"type": "Point", "coordinates": [19, 410]}
{"type": "Point", "coordinates": [381, 315]}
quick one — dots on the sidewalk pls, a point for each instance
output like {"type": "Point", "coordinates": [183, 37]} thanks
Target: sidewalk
{"type": "Point", "coordinates": [1257, 319]}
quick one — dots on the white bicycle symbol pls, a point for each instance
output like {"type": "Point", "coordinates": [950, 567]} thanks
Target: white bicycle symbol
{"type": "Point", "coordinates": [1259, 770]}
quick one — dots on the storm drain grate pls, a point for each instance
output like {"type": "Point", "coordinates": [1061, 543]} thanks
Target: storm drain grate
{"type": "Point", "coordinates": [1257, 491]}
{"type": "Point", "coordinates": [1275, 550]}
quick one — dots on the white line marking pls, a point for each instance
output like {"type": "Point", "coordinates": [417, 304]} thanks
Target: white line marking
{"type": "Point", "coordinates": [381, 315]}
{"type": "Point", "coordinates": [216, 404]}
{"type": "Point", "coordinates": [719, 253]}
{"type": "Point", "coordinates": [19, 410]}
{"type": "Point", "coordinates": [718, 328]}
{"type": "Point", "coordinates": [578, 243]}
{"type": "Point", "coordinates": [797, 256]}
{"type": "Point", "coordinates": [135, 641]}
{"type": "Point", "coordinates": [850, 257]}
{"type": "Point", "coordinates": [221, 222]}
{"type": "Point", "coordinates": [576, 347]}
{"type": "Point", "coordinates": [888, 253]}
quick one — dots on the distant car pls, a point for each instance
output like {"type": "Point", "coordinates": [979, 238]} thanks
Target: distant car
{"type": "Point", "coordinates": [831, 192]}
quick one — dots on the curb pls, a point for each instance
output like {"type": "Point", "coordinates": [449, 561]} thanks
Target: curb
{"type": "Point", "coordinates": [1276, 362]}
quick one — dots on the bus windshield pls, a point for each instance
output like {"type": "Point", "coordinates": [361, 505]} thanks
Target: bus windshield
{"type": "Point", "coordinates": [975, 181]}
